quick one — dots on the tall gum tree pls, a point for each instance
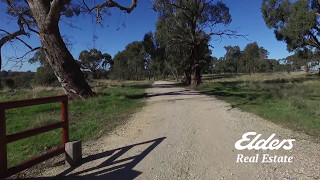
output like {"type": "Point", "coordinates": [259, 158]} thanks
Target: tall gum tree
{"type": "Point", "coordinates": [190, 24]}
{"type": "Point", "coordinates": [46, 14]}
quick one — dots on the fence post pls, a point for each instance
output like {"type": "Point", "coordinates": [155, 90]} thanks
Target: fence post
{"type": "Point", "coordinates": [65, 129]}
{"type": "Point", "coordinates": [3, 144]}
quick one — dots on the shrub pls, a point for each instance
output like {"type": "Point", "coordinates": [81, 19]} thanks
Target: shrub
{"type": "Point", "coordinates": [3, 74]}
{"type": "Point", "coordinates": [45, 77]}
{"type": "Point", "coordinates": [9, 83]}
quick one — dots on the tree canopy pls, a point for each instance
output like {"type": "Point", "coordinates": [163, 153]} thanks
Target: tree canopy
{"type": "Point", "coordinates": [186, 27]}
{"type": "Point", "coordinates": [93, 60]}
{"type": "Point", "coordinates": [130, 64]}
{"type": "Point", "coordinates": [296, 23]}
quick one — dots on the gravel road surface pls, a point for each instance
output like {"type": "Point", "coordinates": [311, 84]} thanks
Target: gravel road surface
{"type": "Point", "coordinates": [182, 134]}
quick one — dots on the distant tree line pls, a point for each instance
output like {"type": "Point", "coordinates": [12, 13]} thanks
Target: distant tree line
{"type": "Point", "coordinates": [93, 63]}
{"type": "Point", "coordinates": [147, 59]}
{"type": "Point", "coordinates": [14, 80]}
{"type": "Point", "coordinates": [253, 59]}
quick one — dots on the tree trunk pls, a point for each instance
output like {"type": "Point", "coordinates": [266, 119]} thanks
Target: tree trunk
{"type": "Point", "coordinates": [63, 64]}
{"type": "Point", "coordinates": [196, 68]}
{"type": "Point", "coordinates": [188, 77]}
{"type": "Point", "coordinates": [249, 70]}
{"type": "Point", "coordinates": [196, 75]}
{"type": "Point", "coordinates": [47, 16]}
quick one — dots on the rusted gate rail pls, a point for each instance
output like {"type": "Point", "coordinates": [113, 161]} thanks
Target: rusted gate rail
{"type": "Point", "coordinates": [5, 139]}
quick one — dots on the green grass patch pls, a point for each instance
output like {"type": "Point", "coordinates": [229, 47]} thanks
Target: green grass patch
{"type": "Point", "coordinates": [88, 118]}
{"type": "Point", "coordinates": [292, 100]}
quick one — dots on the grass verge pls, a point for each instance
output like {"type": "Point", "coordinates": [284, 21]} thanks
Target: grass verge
{"type": "Point", "coordinates": [89, 118]}
{"type": "Point", "coordinates": [292, 100]}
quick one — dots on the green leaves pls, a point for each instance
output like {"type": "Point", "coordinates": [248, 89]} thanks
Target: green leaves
{"type": "Point", "coordinates": [94, 59]}
{"type": "Point", "coordinates": [184, 29]}
{"type": "Point", "coordinates": [300, 25]}
{"type": "Point", "coordinates": [130, 63]}
{"type": "Point", "coordinates": [71, 10]}
{"type": "Point", "coordinates": [216, 13]}
{"type": "Point", "coordinates": [275, 12]}
{"type": "Point", "coordinates": [39, 57]}
{"type": "Point", "coordinates": [294, 23]}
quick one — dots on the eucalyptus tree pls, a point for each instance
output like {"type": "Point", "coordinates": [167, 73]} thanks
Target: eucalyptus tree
{"type": "Point", "coordinates": [176, 58]}
{"type": "Point", "coordinates": [45, 16]}
{"type": "Point", "coordinates": [130, 64]}
{"type": "Point", "coordinates": [251, 56]}
{"type": "Point", "coordinates": [294, 22]}
{"type": "Point", "coordinates": [190, 24]}
{"type": "Point", "coordinates": [233, 58]}
{"type": "Point", "coordinates": [120, 69]}
{"type": "Point", "coordinates": [93, 60]}
{"type": "Point", "coordinates": [151, 50]}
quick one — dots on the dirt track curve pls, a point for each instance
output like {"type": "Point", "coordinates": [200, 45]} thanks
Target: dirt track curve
{"type": "Point", "coordinates": [182, 134]}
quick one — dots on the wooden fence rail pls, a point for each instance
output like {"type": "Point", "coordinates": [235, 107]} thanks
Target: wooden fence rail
{"type": "Point", "coordinates": [5, 139]}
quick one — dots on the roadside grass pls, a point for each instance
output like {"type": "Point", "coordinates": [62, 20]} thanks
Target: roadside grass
{"type": "Point", "coordinates": [88, 118]}
{"type": "Point", "coordinates": [291, 100]}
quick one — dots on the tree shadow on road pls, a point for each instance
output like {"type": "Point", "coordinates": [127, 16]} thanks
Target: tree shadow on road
{"type": "Point", "coordinates": [113, 167]}
{"type": "Point", "coordinates": [174, 93]}
{"type": "Point", "coordinates": [170, 93]}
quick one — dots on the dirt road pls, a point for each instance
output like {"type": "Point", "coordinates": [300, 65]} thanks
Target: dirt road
{"type": "Point", "coordinates": [182, 134]}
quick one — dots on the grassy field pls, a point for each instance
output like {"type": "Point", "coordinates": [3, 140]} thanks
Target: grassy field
{"type": "Point", "coordinates": [292, 100]}
{"type": "Point", "coordinates": [89, 118]}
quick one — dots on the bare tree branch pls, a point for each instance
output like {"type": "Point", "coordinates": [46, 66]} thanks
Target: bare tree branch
{"type": "Point", "coordinates": [21, 18]}
{"type": "Point", "coordinates": [24, 55]}
{"type": "Point", "coordinates": [229, 33]}
{"type": "Point", "coordinates": [109, 4]}
{"type": "Point", "coordinates": [70, 24]}
{"type": "Point", "coordinates": [7, 38]}
{"type": "Point", "coordinates": [21, 59]}
{"type": "Point", "coordinates": [21, 22]}
{"type": "Point", "coordinates": [24, 42]}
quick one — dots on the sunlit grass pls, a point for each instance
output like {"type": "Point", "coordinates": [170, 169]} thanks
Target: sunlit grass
{"type": "Point", "coordinates": [88, 118]}
{"type": "Point", "coordinates": [292, 100]}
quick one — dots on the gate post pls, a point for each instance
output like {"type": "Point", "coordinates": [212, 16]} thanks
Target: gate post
{"type": "Point", "coordinates": [3, 144]}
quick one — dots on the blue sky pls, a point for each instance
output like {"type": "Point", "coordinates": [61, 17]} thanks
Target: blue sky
{"type": "Point", "coordinates": [119, 29]}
